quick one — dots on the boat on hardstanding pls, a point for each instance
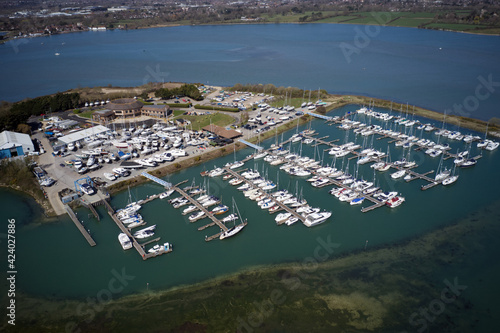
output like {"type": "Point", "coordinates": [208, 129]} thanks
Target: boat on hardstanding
{"type": "Point", "coordinates": [124, 241]}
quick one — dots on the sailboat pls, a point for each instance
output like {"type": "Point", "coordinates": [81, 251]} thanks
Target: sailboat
{"type": "Point", "coordinates": [237, 227]}
{"type": "Point", "coordinates": [451, 179]}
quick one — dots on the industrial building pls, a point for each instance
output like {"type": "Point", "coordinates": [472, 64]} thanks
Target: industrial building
{"type": "Point", "coordinates": [14, 144]}
{"type": "Point", "coordinates": [83, 134]}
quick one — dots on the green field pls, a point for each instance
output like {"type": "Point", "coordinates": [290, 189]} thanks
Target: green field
{"type": "Point", "coordinates": [217, 118]}
{"type": "Point", "coordinates": [87, 114]}
{"type": "Point", "coordinates": [409, 22]}
{"type": "Point", "coordinates": [455, 27]}
{"type": "Point", "coordinates": [336, 19]}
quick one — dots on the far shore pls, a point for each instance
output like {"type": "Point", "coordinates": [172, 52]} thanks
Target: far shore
{"type": "Point", "coordinates": [166, 25]}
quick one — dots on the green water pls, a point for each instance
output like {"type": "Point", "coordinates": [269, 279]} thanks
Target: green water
{"type": "Point", "coordinates": [55, 261]}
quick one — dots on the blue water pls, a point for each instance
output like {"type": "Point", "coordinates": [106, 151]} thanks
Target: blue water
{"type": "Point", "coordinates": [432, 69]}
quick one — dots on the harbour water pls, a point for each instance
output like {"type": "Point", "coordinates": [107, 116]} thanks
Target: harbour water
{"type": "Point", "coordinates": [432, 69]}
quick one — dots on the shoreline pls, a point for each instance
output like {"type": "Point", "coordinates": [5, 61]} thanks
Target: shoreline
{"type": "Point", "coordinates": [168, 25]}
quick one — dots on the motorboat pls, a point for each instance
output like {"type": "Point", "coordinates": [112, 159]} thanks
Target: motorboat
{"type": "Point", "coordinates": [220, 209]}
{"type": "Point", "coordinates": [160, 248]}
{"type": "Point", "coordinates": [196, 216]}
{"type": "Point", "coordinates": [229, 218]}
{"type": "Point", "coordinates": [216, 172]}
{"type": "Point", "coordinates": [145, 233]}
{"type": "Point", "coordinates": [357, 201]}
{"type": "Point", "coordinates": [314, 219]}
{"type": "Point", "coordinates": [166, 194]}
{"type": "Point", "coordinates": [124, 241]}
{"type": "Point", "coordinates": [291, 220]}
{"type": "Point", "coordinates": [190, 209]}
{"type": "Point", "coordinates": [235, 181]}
{"type": "Point", "coordinates": [394, 202]}
{"type": "Point", "coordinates": [398, 174]}
{"type": "Point", "coordinates": [282, 217]}
{"type": "Point", "coordinates": [468, 163]}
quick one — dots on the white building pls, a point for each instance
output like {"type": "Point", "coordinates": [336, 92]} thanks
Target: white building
{"type": "Point", "coordinates": [83, 134]}
{"type": "Point", "coordinates": [15, 144]}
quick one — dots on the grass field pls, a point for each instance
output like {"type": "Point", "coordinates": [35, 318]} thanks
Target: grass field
{"type": "Point", "coordinates": [455, 27]}
{"type": "Point", "coordinates": [336, 19]}
{"type": "Point", "coordinates": [217, 118]}
{"type": "Point", "coordinates": [409, 22]}
{"type": "Point", "coordinates": [296, 102]}
{"type": "Point", "coordinates": [87, 114]}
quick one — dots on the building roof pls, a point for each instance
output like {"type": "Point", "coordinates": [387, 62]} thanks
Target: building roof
{"type": "Point", "coordinates": [80, 135]}
{"type": "Point", "coordinates": [155, 107]}
{"type": "Point", "coordinates": [11, 139]}
{"type": "Point", "coordinates": [222, 132]}
{"type": "Point", "coordinates": [124, 104]}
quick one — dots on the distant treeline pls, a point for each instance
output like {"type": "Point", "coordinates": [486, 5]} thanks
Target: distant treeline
{"type": "Point", "coordinates": [271, 89]}
{"type": "Point", "coordinates": [20, 112]}
{"type": "Point", "coordinates": [189, 90]}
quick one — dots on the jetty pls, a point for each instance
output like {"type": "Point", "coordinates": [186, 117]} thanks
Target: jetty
{"type": "Point", "coordinates": [79, 225]}
{"type": "Point", "coordinates": [208, 214]}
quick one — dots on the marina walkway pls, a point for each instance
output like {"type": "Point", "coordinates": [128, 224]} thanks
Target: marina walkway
{"type": "Point", "coordinates": [156, 179]}
{"type": "Point", "coordinates": [254, 146]}
{"type": "Point", "coordinates": [320, 116]}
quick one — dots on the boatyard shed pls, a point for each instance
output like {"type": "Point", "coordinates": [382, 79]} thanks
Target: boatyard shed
{"type": "Point", "coordinates": [14, 144]}
{"type": "Point", "coordinates": [81, 135]}
{"type": "Point", "coordinates": [222, 132]}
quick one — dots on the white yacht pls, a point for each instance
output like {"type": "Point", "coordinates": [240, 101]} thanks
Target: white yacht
{"type": "Point", "coordinates": [166, 194]}
{"type": "Point", "coordinates": [398, 174]}
{"type": "Point", "coordinates": [450, 180]}
{"type": "Point", "coordinates": [190, 209]}
{"type": "Point", "coordinates": [159, 248]}
{"type": "Point", "coordinates": [124, 241]}
{"type": "Point", "coordinates": [196, 216]}
{"type": "Point", "coordinates": [394, 202]}
{"type": "Point", "coordinates": [282, 217]}
{"type": "Point", "coordinates": [316, 218]}
{"type": "Point", "coordinates": [145, 233]}
{"type": "Point", "coordinates": [109, 176]}
{"type": "Point", "coordinates": [232, 231]}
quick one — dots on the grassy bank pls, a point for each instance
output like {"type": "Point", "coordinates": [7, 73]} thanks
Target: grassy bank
{"type": "Point", "coordinates": [17, 174]}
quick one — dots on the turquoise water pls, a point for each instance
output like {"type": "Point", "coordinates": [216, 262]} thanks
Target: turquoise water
{"type": "Point", "coordinates": [433, 69]}
{"type": "Point", "coordinates": [66, 266]}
